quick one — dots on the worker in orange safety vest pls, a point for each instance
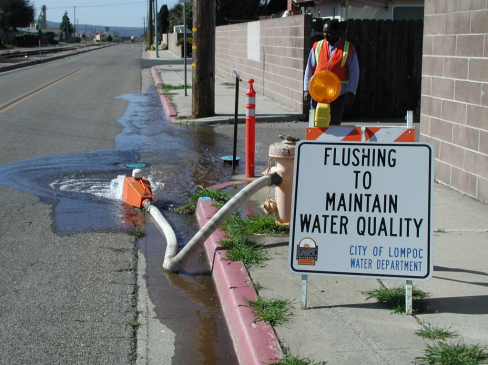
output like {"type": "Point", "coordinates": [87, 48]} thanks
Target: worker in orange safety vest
{"type": "Point", "coordinates": [339, 56]}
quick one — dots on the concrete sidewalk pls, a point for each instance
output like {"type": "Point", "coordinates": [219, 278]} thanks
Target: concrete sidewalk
{"type": "Point", "coordinates": [341, 326]}
{"type": "Point", "coordinates": [225, 96]}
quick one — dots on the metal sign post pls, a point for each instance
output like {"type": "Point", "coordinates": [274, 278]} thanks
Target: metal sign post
{"type": "Point", "coordinates": [184, 2]}
{"type": "Point", "coordinates": [304, 291]}
{"type": "Point", "coordinates": [234, 152]}
{"type": "Point", "coordinates": [156, 29]}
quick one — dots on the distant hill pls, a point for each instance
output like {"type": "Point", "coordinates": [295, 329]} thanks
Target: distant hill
{"type": "Point", "coordinates": [90, 29]}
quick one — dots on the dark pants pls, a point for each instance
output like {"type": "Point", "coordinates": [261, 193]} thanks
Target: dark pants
{"type": "Point", "coordinates": [336, 109]}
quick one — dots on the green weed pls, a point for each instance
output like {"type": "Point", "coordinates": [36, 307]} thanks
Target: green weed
{"type": "Point", "coordinates": [272, 311]}
{"type": "Point", "coordinates": [136, 231]}
{"type": "Point", "coordinates": [257, 286]}
{"type": "Point", "coordinates": [265, 224]}
{"type": "Point", "coordinates": [216, 194]}
{"type": "Point", "coordinates": [247, 254]}
{"type": "Point", "coordinates": [230, 85]}
{"type": "Point", "coordinates": [453, 354]}
{"type": "Point", "coordinates": [255, 224]}
{"type": "Point", "coordinates": [435, 333]}
{"type": "Point", "coordinates": [240, 248]}
{"type": "Point", "coordinates": [134, 324]}
{"type": "Point", "coordinates": [288, 359]}
{"type": "Point", "coordinates": [395, 298]}
{"type": "Point", "coordinates": [173, 87]}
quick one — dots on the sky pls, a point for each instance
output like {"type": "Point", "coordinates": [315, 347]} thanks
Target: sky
{"type": "Point", "coordinates": [107, 13]}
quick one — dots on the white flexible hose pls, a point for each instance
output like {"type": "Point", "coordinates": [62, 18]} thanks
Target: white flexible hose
{"type": "Point", "coordinates": [165, 227]}
{"type": "Point", "coordinates": [174, 261]}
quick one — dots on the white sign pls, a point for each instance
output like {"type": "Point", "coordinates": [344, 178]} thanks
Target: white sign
{"type": "Point", "coordinates": [362, 209]}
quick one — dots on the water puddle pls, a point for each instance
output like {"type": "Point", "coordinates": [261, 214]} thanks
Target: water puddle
{"type": "Point", "coordinates": [85, 191]}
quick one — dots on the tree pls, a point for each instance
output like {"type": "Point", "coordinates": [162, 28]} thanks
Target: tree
{"type": "Point", "coordinates": [231, 10]}
{"type": "Point", "coordinates": [176, 16]}
{"type": "Point", "coordinates": [226, 11]}
{"type": "Point", "coordinates": [15, 13]}
{"type": "Point", "coordinates": [66, 25]}
{"type": "Point", "coordinates": [163, 20]}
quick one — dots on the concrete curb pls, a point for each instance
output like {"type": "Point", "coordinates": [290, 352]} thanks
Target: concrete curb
{"type": "Point", "coordinates": [168, 108]}
{"type": "Point", "coordinates": [254, 342]}
{"type": "Point", "coordinates": [242, 120]}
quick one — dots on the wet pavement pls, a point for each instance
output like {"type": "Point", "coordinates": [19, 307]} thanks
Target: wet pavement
{"type": "Point", "coordinates": [177, 158]}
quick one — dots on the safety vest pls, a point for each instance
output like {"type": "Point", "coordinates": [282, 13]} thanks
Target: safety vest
{"type": "Point", "coordinates": [338, 63]}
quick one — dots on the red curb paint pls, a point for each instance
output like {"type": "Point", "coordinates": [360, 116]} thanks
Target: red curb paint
{"type": "Point", "coordinates": [165, 101]}
{"type": "Point", "coordinates": [231, 183]}
{"type": "Point", "coordinates": [255, 342]}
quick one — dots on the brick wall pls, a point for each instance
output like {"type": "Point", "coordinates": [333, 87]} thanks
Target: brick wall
{"type": "Point", "coordinates": [454, 111]}
{"type": "Point", "coordinates": [273, 52]}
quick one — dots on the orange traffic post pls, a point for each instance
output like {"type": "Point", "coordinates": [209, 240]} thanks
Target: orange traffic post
{"type": "Point", "coordinates": [250, 128]}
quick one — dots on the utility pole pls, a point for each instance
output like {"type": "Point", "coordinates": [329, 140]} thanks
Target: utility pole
{"type": "Point", "coordinates": [74, 18]}
{"type": "Point", "coordinates": [203, 50]}
{"type": "Point", "coordinates": [150, 23]}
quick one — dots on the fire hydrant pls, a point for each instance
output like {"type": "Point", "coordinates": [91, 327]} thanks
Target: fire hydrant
{"type": "Point", "coordinates": [284, 155]}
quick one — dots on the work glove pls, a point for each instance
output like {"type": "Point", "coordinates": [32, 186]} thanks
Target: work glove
{"type": "Point", "coordinates": [350, 98]}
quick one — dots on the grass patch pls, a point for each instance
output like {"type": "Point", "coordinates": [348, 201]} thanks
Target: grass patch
{"type": "Point", "coordinates": [264, 224]}
{"type": "Point", "coordinates": [244, 250]}
{"type": "Point", "coordinates": [395, 298]}
{"type": "Point", "coordinates": [217, 195]}
{"type": "Point", "coordinates": [256, 224]}
{"type": "Point", "coordinates": [435, 333]}
{"type": "Point", "coordinates": [173, 87]}
{"type": "Point", "coordinates": [453, 354]}
{"type": "Point", "coordinates": [288, 359]}
{"type": "Point", "coordinates": [136, 231]}
{"type": "Point", "coordinates": [134, 324]}
{"type": "Point", "coordinates": [440, 230]}
{"type": "Point", "coordinates": [272, 311]}
{"type": "Point", "coordinates": [240, 248]}
{"type": "Point", "coordinates": [229, 85]}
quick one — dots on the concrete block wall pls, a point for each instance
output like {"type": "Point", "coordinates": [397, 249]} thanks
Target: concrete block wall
{"type": "Point", "coordinates": [454, 110]}
{"type": "Point", "coordinates": [170, 39]}
{"type": "Point", "coordinates": [273, 52]}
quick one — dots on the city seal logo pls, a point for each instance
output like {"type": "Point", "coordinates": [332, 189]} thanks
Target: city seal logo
{"type": "Point", "coordinates": [307, 251]}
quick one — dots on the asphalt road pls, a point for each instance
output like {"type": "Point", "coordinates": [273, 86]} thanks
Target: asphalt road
{"type": "Point", "coordinates": [64, 299]}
